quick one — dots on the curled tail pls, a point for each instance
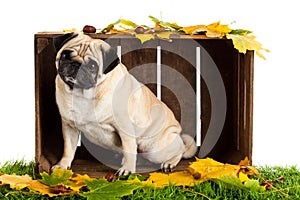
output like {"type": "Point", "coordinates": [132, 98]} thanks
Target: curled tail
{"type": "Point", "coordinates": [190, 146]}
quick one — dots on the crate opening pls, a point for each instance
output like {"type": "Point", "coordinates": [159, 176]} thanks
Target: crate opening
{"type": "Point", "coordinates": [170, 71]}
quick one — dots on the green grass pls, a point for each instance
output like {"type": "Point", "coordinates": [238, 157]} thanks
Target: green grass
{"type": "Point", "coordinates": [288, 189]}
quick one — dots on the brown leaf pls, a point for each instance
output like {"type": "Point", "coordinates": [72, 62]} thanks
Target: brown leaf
{"type": "Point", "coordinates": [47, 190]}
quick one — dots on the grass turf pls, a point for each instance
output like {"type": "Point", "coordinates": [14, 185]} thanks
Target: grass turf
{"type": "Point", "coordinates": [288, 189]}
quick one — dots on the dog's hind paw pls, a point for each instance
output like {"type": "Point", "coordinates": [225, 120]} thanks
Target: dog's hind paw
{"type": "Point", "coordinates": [167, 167]}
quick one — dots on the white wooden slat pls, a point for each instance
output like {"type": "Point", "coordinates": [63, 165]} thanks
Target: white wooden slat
{"type": "Point", "coordinates": [198, 96]}
{"type": "Point", "coordinates": [158, 73]}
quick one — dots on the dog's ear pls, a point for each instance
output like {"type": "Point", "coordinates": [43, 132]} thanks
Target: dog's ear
{"type": "Point", "coordinates": [110, 58]}
{"type": "Point", "coordinates": [59, 41]}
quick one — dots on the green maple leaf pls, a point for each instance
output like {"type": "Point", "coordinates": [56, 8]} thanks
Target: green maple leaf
{"type": "Point", "coordinates": [58, 177]}
{"type": "Point", "coordinates": [102, 189]}
{"type": "Point", "coordinates": [233, 181]}
{"type": "Point", "coordinates": [240, 31]}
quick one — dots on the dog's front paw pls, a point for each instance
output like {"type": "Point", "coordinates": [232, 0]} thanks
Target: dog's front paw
{"type": "Point", "coordinates": [59, 166]}
{"type": "Point", "coordinates": [123, 172]}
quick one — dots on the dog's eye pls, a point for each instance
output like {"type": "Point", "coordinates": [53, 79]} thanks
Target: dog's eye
{"type": "Point", "coordinates": [93, 67]}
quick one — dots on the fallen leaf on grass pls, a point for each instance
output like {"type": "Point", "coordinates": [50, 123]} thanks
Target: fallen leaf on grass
{"type": "Point", "coordinates": [15, 181]}
{"type": "Point", "coordinates": [78, 182]}
{"type": "Point", "coordinates": [233, 182]}
{"type": "Point", "coordinates": [54, 191]}
{"type": "Point", "coordinates": [60, 182]}
{"type": "Point", "coordinates": [208, 168]}
{"type": "Point", "coordinates": [182, 178]}
{"type": "Point", "coordinates": [102, 189]}
{"type": "Point", "coordinates": [58, 177]}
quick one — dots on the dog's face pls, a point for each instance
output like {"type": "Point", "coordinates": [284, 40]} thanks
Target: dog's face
{"type": "Point", "coordinates": [81, 60]}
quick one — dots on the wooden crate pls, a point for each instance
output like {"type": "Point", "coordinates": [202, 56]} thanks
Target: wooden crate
{"type": "Point", "coordinates": [226, 88]}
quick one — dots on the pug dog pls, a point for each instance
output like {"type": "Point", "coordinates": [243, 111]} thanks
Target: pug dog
{"type": "Point", "coordinates": [99, 98]}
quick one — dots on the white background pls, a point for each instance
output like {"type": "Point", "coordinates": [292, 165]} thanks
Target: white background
{"type": "Point", "coordinates": [277, 81]}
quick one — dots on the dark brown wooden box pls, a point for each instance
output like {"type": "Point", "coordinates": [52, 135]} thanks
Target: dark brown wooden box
{"type": "Point", "coordinates": [235, 70]}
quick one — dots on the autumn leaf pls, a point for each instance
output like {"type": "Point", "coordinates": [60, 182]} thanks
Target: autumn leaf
{"type": "Point", "coordinates": [214, 30]}
{"type": "Point", "coordinates": [181, 178]}
{"type": "Point", "coordinates": [246, 168]}
{"type": "Point", "coordinates": [157, 180]}
{"type": "Point", "coordinates": [15, 181]}
{"type": "Point", "coordinates": [231, 175]}
{"type": "Point", "coordinates": [78, 182]}
{"type": "Point", "coordinates": [128, 23]}
{"type": "Point", "coordinates": [217, 30]}
{"type": "Point", "coordinates": [208, 168]}
{"type": "Point", "coordinates": [102, 189]}
{"type": "Point", "coordinates": [58, 177]}
{"type": "Point", "coordinates": [164, 35]}
{"type": "Point", "coordinates": [166, 25]}
{"type": "Point", "coordinates": [247, 42]}
{"type": "Point", "coordinates": [235, 182]}
{"type": "Point", "coordinates": [240, 31]}
{"type": "Point", "coordinates": [144, 37]}
{"type": "Point", "coordinates": [192, 30]}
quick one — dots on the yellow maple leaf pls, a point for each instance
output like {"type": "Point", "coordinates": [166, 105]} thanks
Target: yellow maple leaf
{"type": "Point", "coordinates": [164, 34]}
{"type": "Point", "coordinates": [192, 30]}
{"type": "Point", "coordinates": [144, 37]}
{"type": "Point", "coordinates": [181, 178]}
{"type": "Point", "coordinates": [77, 182]}
{"type": "Point", "coordinates": [157, 180]}
{"type": "Point", "coordinates": [247, 42]}
{"type": "Point", "coordinates": [243, 177]}
{"type": "Point", "coordinates": [15, 181]}
{"type": "Point", "coordinates": [217, 30]}
{"type": "Point", "coordinates": [208, 168]}
{"type": "Point", "coordinates": [41, 188]}
{"type": "Point", "coordinates": [214, 30]}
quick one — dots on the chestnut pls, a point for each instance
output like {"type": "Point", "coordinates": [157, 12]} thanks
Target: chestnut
{"type": "Point", "coordinates": [89, 29]}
